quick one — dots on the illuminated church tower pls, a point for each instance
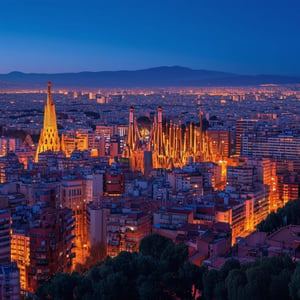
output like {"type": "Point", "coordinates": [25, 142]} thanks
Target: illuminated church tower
{"type": "Point", "coordinates": [49, 139]}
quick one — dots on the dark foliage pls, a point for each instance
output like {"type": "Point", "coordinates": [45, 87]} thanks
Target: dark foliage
{"type": "Point", "coordinates": [289, 214]}
{"type": "Point", "coordinates": [161, 271]}
{"type": "Point", "coordinates": [267, 278]}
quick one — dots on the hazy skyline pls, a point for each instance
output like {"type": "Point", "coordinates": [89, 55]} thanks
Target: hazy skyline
{"type": "Point", "coordinates": [252, 37]}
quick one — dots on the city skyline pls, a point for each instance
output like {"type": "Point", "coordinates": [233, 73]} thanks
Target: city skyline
{"type": "Point", "coordinates": [149, 150]}
{"type": "Point", "coordinates": [244, 38]}
{"type": "Point", "coordinates": [86, 174]}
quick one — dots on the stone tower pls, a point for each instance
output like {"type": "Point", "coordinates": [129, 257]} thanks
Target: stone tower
{"type": "Point", "coordinates": [49, 139]}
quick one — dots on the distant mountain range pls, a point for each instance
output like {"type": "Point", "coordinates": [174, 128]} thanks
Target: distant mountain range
{"type": "Point", "coordinates": [175, 76]}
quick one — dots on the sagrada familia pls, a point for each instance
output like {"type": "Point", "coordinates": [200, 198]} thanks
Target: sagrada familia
{"type": "Point", "coordinates": [168, 145]}
{"type": "Point", "coordinates": [49, 139]}
{"type": "Point", "coordinates": [171, 145]}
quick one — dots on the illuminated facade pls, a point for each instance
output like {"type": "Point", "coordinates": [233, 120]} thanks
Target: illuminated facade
{"type": "Point", "coordinates": [235, 215]}
{"type": "Point", "coordinates": [125, 231]}
{"type": "Point", "coordinates": [74, 141]}
{"type": "Point", "coordinates": [244, 214]}
{"type": "Point", "coordinates": [51, 243]}
{"type": "Point", "coordinates": [20, 252]}
{"type": "Point", "coordinates": [49, 139]}
{"type": "Point", "coordinates": [114, 184]}
{"type": "Point", "coordinates": [172, 145]}
{"type": "Point", "coordinates": [8, 144]}
{"type": "Point", "coordinates": [73, 196]}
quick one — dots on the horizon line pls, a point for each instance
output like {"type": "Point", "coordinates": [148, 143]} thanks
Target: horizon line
{"type": "Point", "coordinates": [150, 68]}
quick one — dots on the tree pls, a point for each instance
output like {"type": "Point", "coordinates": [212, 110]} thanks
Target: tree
{"type": "Point", "coordinates": [115, 286]}
{"type": "Point", "coordinates": [125, 262]}
{"type": "Point", "coordinates": [94, 274]}
{"type": "Point", "coordinates": [149, 288]}
{"type": "Point", "coordinates": [235, 282]}
{"type": "Point", "coordinates": [210, 279]}
{"type": "Point", "coordinates": [289, 214]}
{"type": "Point", "coordinates": [220, 292]}
{"type": "Point", "coordinates": [271, 223]}
{"type": "Point", "coordinates": [61, 287]}
{"type": "Point", "coordinates": [154, 245]}
{"type": "Point", "coordinates": [166, 274]}
{"type": "Point", "coordinates": [279, 286]}
{"type": "Point", "coordinates": [294, 285]}
{"type": "Point", "coordinates": [189, 281]}
{"type": "Point", "coordinates": [146, 264]}
{"type": "Point", "coordinates": [229, 265]}
{"type": "Point", "coordinates": [258, 283]}
{"type": "Point", "coordinates": [174, 256]}
{"type": "Point", "coordinates": [84, 289]}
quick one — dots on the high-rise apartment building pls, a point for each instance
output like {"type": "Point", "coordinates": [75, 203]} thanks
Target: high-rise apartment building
{"type": "Point", "coordinates": [20, 253]}
{"type": "Point", "coordinates": [5, 227]}
{"type": "Point", "coordinates": [221, 142]}
{"type": "Point", "coordinates": [51, 244]}
{"type": "Point", "coordinates": [281, 146]}
{"type": "Point", "coordinates": [9, 281]}
{"type": "Point", "coordinates": [73, 196]}
{"type": "Point", "coordinates": [242, 126]}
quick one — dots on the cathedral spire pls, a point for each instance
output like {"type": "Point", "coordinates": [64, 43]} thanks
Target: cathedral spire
{"type": "Point", "coordinates": [49, 95]}
{"type": "Point", "coordinates": [49, 139]}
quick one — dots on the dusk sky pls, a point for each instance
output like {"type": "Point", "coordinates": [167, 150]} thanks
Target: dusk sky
{"type": "Point", "coordinates": [242, 36]}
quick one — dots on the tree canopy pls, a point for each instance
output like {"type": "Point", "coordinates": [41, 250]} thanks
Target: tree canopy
{"type": "Point", "coordinates": [287, 215]}
{"type": "Point", "coordinates": [161, 271]}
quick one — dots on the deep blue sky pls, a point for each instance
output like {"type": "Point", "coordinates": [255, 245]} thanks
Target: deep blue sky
{"type": "Point", "coordinates": [243, 36]}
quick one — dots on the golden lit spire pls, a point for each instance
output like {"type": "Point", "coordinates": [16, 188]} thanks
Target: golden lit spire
{"type": "Point", "coordinates": [130, 143]}
{"type": "Point", "coordinates": [201, 132]}
{"type": "Point", "coordinates": [49, 139]}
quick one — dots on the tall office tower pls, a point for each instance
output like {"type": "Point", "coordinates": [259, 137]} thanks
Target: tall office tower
{"type": "Point", "coordinates": [242, 126]}
{"type": "Point", "coordinates": [49, 139]}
